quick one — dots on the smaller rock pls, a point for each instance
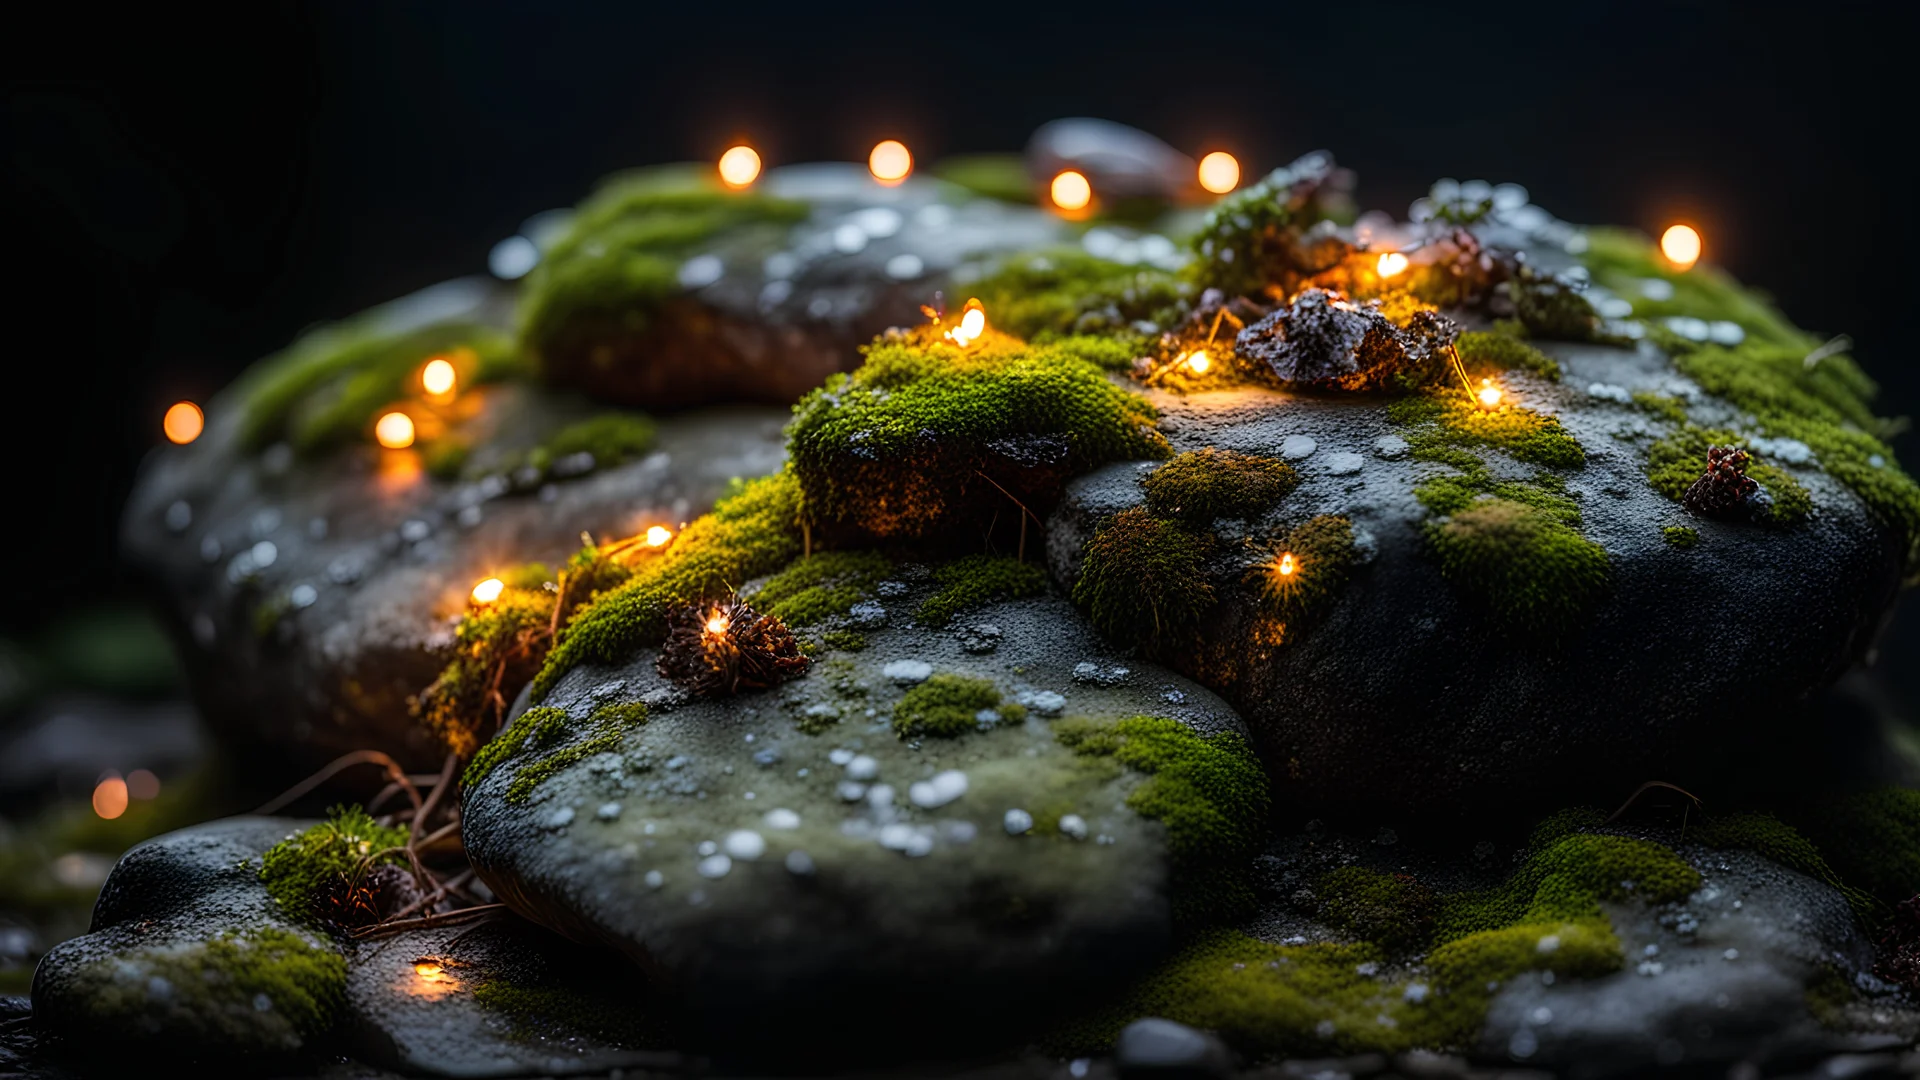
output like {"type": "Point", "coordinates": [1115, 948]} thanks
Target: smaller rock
{"type": "Point", "coordinates": [1156, 1047]}
{"type": "Point", "coordinates": [1045, 702]}
{"type": "Point", "coordinates": [1390, 446]}
{"type": "Point", "coordinates": [1296, 447]}
{"type": "Point", "coordinates": [1073, 825]}
{"type": "Point", "coordinates": [862, 768]}
{"type": "Point", "coordinates": [907, 672]}
{"type": "Point", "coordinates": [939, 791]}
{"type": "Point", "coordinates": [781, 819]}
{"type": "Point", "coordinates": [1344, 463]}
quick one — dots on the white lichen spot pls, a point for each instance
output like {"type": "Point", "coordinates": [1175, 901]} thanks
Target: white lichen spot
{"type": "Point", "coordinates": [1548, 944]}
{"type": "Point", "coordinates": [862, 768]}
{"type": "Point", "coordinates": [1017, 822]}
{"type": "Point", "coordinates": [1073, 826]}
{"type": "Point", "coordinates": [781, 819]}
{"type": "Point", "coordinates": [714, 866]}
{"type": "Point", "coordinates": [654, 879]}
{"type": "Point", "coordinates": [907, 672]}
{"type": "Point", "coordinates": [746, 845]}
{"type": "Point", "coordinates": [942, 789]}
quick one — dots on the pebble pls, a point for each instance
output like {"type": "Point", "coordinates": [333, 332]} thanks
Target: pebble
{"type": "Point", "coordinates": [179, 515]}
{"type": "Point", "coordinates": [939, 791]}
{"type": "Point", "coordinates": [701, 271]}
{"type": "Point", "coordinates": [1344, 463]}
{"type": "Point", "coordinates": [840, 755]}
{"type": "Point", "coordinates": [1073, 825]}
{"type": "Point", "coordinates": [655, 879]}
{"type": "Point", "coordinates": [1017, 822]}
{"type": "Point", "coordinates": [1154, 1045]}
{"type": "Point", "coordinates": [1298, 446]}
{"type": "Point", "coordinates": [607, 811]}
{"type": "Point", "coordinates": [1047, 703]}
{"type": "Point", "coordinates": [850, 791]}
{"type": "Point", "coordinates": [905, 267]}
{"type": "Point", "coordinates": [781, 819]}
{"type": "Point", "coordinates": [714, 866]}
{"type": "Point", "coordinates": [907, 672]}
{"type": "Point", "coordinates": [862, 768]}
{"type": "Point", "coordinates": [303, 596]}
{"type": "Point", "coordinates": [880, 796]}
{"type": "Point", "coordinates": [1390, 446]}
{"type": "Point", "coordinates": [801, 863]}
{"type": "Point", "coordinates": [746, 845]}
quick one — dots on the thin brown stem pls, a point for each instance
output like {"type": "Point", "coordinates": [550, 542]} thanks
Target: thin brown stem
{"type": "Point", "coordinates": [439, 789]}
{"type": "Point", "coordinates": [334, 768]}
{"type": "Point", "coordinates": [425, 921]}
{"type": "Point", "coordinates": [1643, 789]}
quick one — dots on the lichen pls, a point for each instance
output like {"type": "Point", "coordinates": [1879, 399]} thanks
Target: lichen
{"type": "Point", "coordinates": [1443, 421]}
{"type": "Point", "coordinates": [1501, 349]}
{"type": "Point", "coordinates": [1680, 536]}
{"type": "Point", "coordinates": [1066, 291]}
{"type": "Point", "coordinates": [822, 586]}
{"type": "Point", "coordinates": [926, 438]}
{"type": "Point", "coordinates": [753, 530]}
{"type": "Point", "coordinates": [945, 706]}
{"type": "Point", "coordinates": [1676, 461]}
{"type": "Point", "coordinates": [601, 286]}
{"type": "Point", "coordinates": [974, 580]}
{"type": "Point", "coordinates": [1143, 578]}
{"type": "Point", "coordinates": [304, 871]}
{"type": "Point", "coordinates": [1200, 485]}
{"type": "Point", "coordinates": [1533, 572]}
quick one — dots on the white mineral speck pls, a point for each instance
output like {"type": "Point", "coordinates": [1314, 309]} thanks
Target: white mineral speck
{"type": "Point", "coordinates": [840, 756]}
{"type": "Point", "coordinates": [921, 845]}
{"type": "Point", "coordinates": [1074, 825]}
{"type": "Point", "coordinates": [781, 819]}
{"type": "Point", "coordinates": [897, 836]}
{"type": "Point", "coordinates": [1295, 447]}
{"type": "Point", "coordinates": [1730, 954]}
{"type": "Point", "coordinates": [942, 789]}
{"type": "Point", "coordinates": [1344, 463]}
{"type": "Point", "coordinates": [1550, 943]}
{"type": "Point", "coordinates": [560, 818]}
{"type": "Point", "coordinates": [701, 271]}
{"type": "Point", "coordinates": [1609, 392]}
{"type": "Point", "coordinates": [607, 811]}
{"type": "Point", "coordinates": [799, 862]}
{"type": "Point", "coordinates": [714, 866]}
{"type": "Point", "coordinates": [1047, 703]}
{"type": "Point", "coordinates": [862, 768]}
{"type": "Point", "coordinates": [512, 258]}
{"type": "Point", "coordinates": [1651, 967]}
{"type": "Point", "coordinates": [907, 672]}
{"type": "Point", "coordinates": [905, 267]}
{"type": "Point", "coordinates": [1656, 288]}
{"type": "Point", "coordinates": [179, 515]}
{"type": "Point", "coordinates": [1017, 821]}
{"type": "Point", "coordinates": [264, 553]}
{"type": "Point", "coordinates": [1390, 446]}
{"type": "Point", "coordinates": [849, 239]}
{"type": "Point", "coordinates": [880, 796]}
{"type": "Point", "coordinates": [655, 879]}
{"type": "Point", "coordinates": [1415, 993]}
{"type": "Point", "coordinates": [707, 847]}
{"type": "Point", "coordinates": [303, 596]}
{"type": "Point", "coordinates": [746, 845]}
{"type": "Point", "coordinates": [850, 791]}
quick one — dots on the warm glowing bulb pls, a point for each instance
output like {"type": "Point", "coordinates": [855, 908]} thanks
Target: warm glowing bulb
{"type": "Point", "coordinates": [1071, 191]}
{"type": "Point", "coordinates": [488, 591]}
{"type": "Point", "coordinates": [1199, 362]}
{"type": "Point", "coordinates": [394, 431]}
{"type": "Point", "coordinates": [1681, 245]}
{"type": "Point", "coordinates": [1219, 172]}
{"type": "Point", "coordinates": [717, 623]}
{"type": "Point", "coordinates": [890, 162]}
{"type": "Point", "coordinates": [430, 970]}
{"type": "Point", "coordinates": [110, 797]}
{"type": "Point", "coordinates": [142, 784]}
{"type": "Point", "coordinates": [1391, 264]}
{"type": "Point", "coordinates": [973, 323]}
{"type": "Point", "coordinates": [1488, 393]}
{"type": "Point", "coordinates": [1287, 565]}
{"type": "Point", "coordinates": [438, 377]}
{"type": "Point", "coordinates": [739, 166]}
{"type": "Point", "coordinates": [183, 422]}
{"type": "Point", "coordinates": [658, 535]}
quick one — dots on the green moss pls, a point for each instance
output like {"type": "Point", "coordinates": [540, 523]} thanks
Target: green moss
{"type": "Point", "coordinates": [1679, 536]}
{"type": "Point", "coordinates": [216, 984]}
{"type": "Point", "coordinates": [753, 530]}
{"type": "Point", "coordinates": [844, 640]}
{"type": "Point", "coordinates": [1446, 421]}
{"type": "Point", "coordinates": [326, 387]}
{"type": "Point", "coordinates": [602, 285]}
{"type": "Point", "coordinates": [822, 586]}
{"type": "Point", "coordinates": [979, 579]}
{"type": "Point", "coordinates": [944, 706]}
{"type": "Point", "coordinates": [1503, 350]}
{"type": "Point", "coordinates": [611, 438]}
{"type": "Point", "coordinates": [1143, 578]}
{"type": "Point", "coordinates": [997, 176]}
{"type": "Point", "coordinates": [545, 1012]}
{"type": "Point", "coordinates": [1201, 485]}
{"type": "Point", "coordinates": [1776, 841]}
{"type": "Point", "coordinates": [925, 437]}
{"type": "Point", "coordinates": [1870, 838]}
{"type": "Point", "coordinates": [1551, 309]}
{"type": "Point", "coordinates": [1664, 406]}
{"type": "Point", "coordinates": [1452, 493]}
{"type": "Point", "coordinates": [1394, 911]}
{"type": "Point", "coordinates": [1208, 790]}
{"type": "Point", "coordinates": [1065, 291]}
{"type": "Point", "coordinates": [1565, 880]}
{"type": "Point", "coordinates": [1109, 352]}
{"type": "Point", "coordinates": [1323, 557]}
{"type": "Point", "coordinates": [1530, 570]}
{"type": "Point", "coordinates": [1246, 241]}
{"type": "Point", "coordinates": [1676, 461]}
{"type": "Point", "coordinates": [540, 737]}
{"type": "Point", "coordinates": [446, 456]}
{"type": "Point", "coordinates": [302, 871]}
{"type": "Point", "coordinates": [1621, 259]}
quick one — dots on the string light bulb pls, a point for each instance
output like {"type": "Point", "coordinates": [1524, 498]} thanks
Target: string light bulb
{"type": "Point", "coordinates": [1219, 172]}
{"type": "Point", "coordinates": [1391, 264]}
{"type": "Point", "coordinates": [183, 422]}
{"type": "Point", "coordinates": [658, 535]}
{"type": "Point", "coordinates": [1488, 394]}
{"type": "Point", "coordinates": [1071, 191]}
{"type": "Point", "coordinates": [1681, 245]}
{"type": "Point", "coordinates": [717, 623]}
{"type": "Point", "coordinates": [1286, 566]}
{"type": "Point", "coordinates": [739, 167]}
{"type": "Point", "coordinates": [890, 162]}
{"type": "Point", "coordinates": [973, 323]}
{"type": "Point", "coordinates": [110, 797]}
{"type": "Point", "coordinates": [438, 378]}
{"type": "Point", "coordinates": [1198, 361]}
{"type": "Point", "coordinates": [394, 431]}
{"type": "Point", "coordinates": [486, 592]}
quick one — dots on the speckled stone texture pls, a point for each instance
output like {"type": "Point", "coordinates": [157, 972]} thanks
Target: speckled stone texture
{"type": "Point", "coordinates": [1409, 696]}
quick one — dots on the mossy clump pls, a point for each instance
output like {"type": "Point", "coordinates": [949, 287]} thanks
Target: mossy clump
{"type": "Point", "coordinates": [844, 640]}
{"type": "Point", "coordinates": [1143, 578]}
{"type": "Point", "coordinates": [1676, 461]}
{"type": "Point", "coordinates": [1665, 406]}
{"type": "Point", "coordinates": [602, 285]}
{"type": "Point", "coordinates": [611, 437]}
{"type": "Point", "coordinates": [1208, 790]}
{"type": "Point", "coordinates": [1394, 911]}
{"type": "Point", "coordinates": [1503, 350]}
{"type": "Point", "coordinates": [1307, 569]}
{"type": "Point", "coordinates": [1534, 573]}
{"type": "Point", "coordinates": [996, 176]}
{"type": "Point", "coordinates": [1680, 536]}
{"type": "Point", "coordinates": [1200, 485]}
{"type": "Point", "coordinates": [945, 706]}
{"type": "Point", "coordinates": [1551, 308]}
{"type": "Point", "coordinates": [753, 530]}
{"type": "Point", "coordinates": [1066, 291]}
{"type": "Point", "coordinates": [305, 871]}
{"type": "Point", "coordinates": [1445, 421]}
{"type": "Point", "coordinates": [821, 586]}
{"type": "Point", "coordinates": [1870, 838]}
{"type": "Point", "coordinates": [1250, 241]}
{"type": "Point", "coordinates": [973, 580]}
{"type": "Point", "coordinates": [539, 736]}
{"type": "Point", "coordinates": [328, 386]}
{"type": "Point", "coordinates": [926, 437]}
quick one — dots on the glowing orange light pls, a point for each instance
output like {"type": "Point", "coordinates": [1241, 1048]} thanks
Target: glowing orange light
{"type": "Point", "coordinates": [110, 797]}
{"type": "Point", "coordinates": [488, 591]}
{"type": "Point", "coordinates": [430, 970]}
{"type": "Point", "coordinates": [142, 784]}
{"type": "Point", "coordinates": [1488, 393]}
{"type": "Point", "coordinates": [183, 422]}
{"type": "Point", "coordinates": [1287, 565]}
{"type": "Point", "coordinates": [1391, 264]}
{"type": "Point", "coordinates": [739, 166]}
{"type": "Point", "coordinates": [717, 623]}
{"type": "Point", "coordinates": [438, 377]}
{"type": "Point", "coordinates": [1219, 172]}
{"type": "Point", "coordinates": [1071, 191]}
{"type": "Point", "coordinates": [890, 162]}
{"type": "Point", "coordinates": [394, 431]}
{"type": "Point", "coordinates": [1681, 245]}
{"type": "Point", "coordinates": [1198, 361]}
{"type": "Point", "coordinates": [973, 323]}
{"type": "Point", "coordinates": [658, 535]}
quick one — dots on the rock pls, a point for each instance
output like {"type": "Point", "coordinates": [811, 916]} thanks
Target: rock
{"type": "Point", "coordinates": [1675, 641]}
{"type": "Point", "coordinates": [314, 650]}
{"type": "Point", "coordinates": [188, 953]}
{"type": "Point", "coordinates": [1325, 341]}
{"type": "Point", "coordinates": [1120, 162]}
{"type": "Point", "coordinates": [1154, 1047]}
{"type": "Point", "coordinates": [869, 885]}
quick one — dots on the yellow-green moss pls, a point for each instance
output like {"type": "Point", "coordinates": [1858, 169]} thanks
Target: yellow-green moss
{"type": "Point", "coordinates": [540, 735]}
{"type": "Point", "coordinates": [1445, 420]}
{"type": "Point", "coordinates": [1067, 291]}
{"type": "Point", "coordinates": [974, 580]}
{"type": "Point", "coordinates": [1246, 241]}
{"type": "Point", "coordinates": [822, 586]}
{"type": "Point", "coordinates": [1143, 578]}
{"type": "Point", "coordinates": [1551, 309]}
{"type": "Point", "coordinates": [301, 871]}
{"type": "Point", "coordinates": [1870, 838]}
{"type": "Point", "coordinates": [904, 447]}
{"type": "Point", "coordinates": [946, 706]}
{"type": "Point", "coordinates": [844, 640]}
{"type": "Point", "coordinates": [1200, 485]}
{"type": "Point", "coordinates": [1679, 536]}
{"type": "Point", "coordinates": [1323, 558]}
{"type": "Point", "coordinates": [1676, 461]}
{"type": "Point", "coordinates": [1534, 573]}
{"type": "Point", "coordinates": [602, 284]}
{"type": "Point", "coordinates": [1664, 406]}
{"type": "Point", "coordinates": [997, 176]}
{"type": "Point", "coordinates": [1621, 259]}
{"type": "Point", "coordinates": [216, 985]}
{"type": "Point", "coordinates": [753, 530]}
{"type": "Point", "coordinates": [611, 438]}
{"type": "Point", "coordinates": [1501, 349]}
{"type": "Point", "coordinates": [1393, 911]}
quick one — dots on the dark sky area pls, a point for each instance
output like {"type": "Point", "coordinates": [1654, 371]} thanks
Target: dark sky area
{"type": "Point", "coordinates": [187, 191]}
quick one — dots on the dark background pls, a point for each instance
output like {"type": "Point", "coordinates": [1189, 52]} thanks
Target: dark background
{"type": "Point", "coordinates": [186, 192]}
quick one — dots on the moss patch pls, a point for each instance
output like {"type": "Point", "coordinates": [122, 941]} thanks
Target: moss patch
{"type": "Point", "coordinates": [303, 872]}
{"type": "Point", "coordinates": [822, 586]}
{"type": "Point", "coordinates": [996, 176]}
{"type": "Point", "coordinates": [1248, 240]}
{"type": "Point", "coordinates": [1502, 350]}
{"type": "Point", "coordinates": [1679, 536]}
{"type": "Point", "coordinates": [979, 579]}
{"type": "Point", "coordinates": [1445, 420]}
{"type": "Point", "coordinates": [947, 706]}
{"type": "Point", "coordinates": [925, 437]}
{"type": "Point", "coordinates": [217, 984]}
{"type": "Point", "coordinates": [539, 736]}
{"type": "Point", "coordinates": [1394, 911]}
{"type": "Point", "coordinates": [1067, 291]}
{"type": "Point", "coordinates": [1309, 567]}
{"type": "Point", "coordinates": [1201, 485]}
{"type": "Point", "coordinates": [1535, 574]}
{"type": "Point", "coordinates": [1675, 462]}
{"type": "Point", "coordinates": [1144, 578]}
